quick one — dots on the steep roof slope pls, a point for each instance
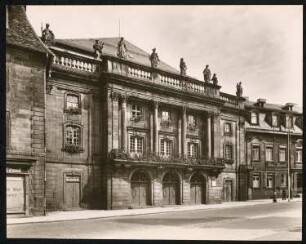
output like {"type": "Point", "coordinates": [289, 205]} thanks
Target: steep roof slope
{"type": "Point", "coordinates": [20, 31]}
{"type": "Point", "coordinates": [136, 54]}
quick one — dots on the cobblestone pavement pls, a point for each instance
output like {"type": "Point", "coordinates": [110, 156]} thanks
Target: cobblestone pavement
{"type": "Point", "coordinates": [272, 221]}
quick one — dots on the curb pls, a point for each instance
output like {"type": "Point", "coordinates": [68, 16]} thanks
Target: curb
{"type": "Point", "coordinates": [110, 214]}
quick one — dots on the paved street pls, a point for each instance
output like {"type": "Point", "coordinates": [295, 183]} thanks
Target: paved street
{"type": "Point", "coordinates": [280, 221]}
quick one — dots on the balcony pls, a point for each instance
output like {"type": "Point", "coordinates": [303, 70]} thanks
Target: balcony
{"type": "Point", "coordinates": [120, 157]}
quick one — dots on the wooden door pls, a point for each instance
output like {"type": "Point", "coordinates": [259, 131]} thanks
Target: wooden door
{"type": "Point", "coordinates": [140, 185]}
{"type": "Point", "coordinates": [228, 191]}
{"type": "Point", "coordinates": [72, 192]}
{"type": "Point", "coordinates": [197, 189]}
{"type": "Point", "coordinates": [15, 194]}
{"type": "Point", "coordinates": [170, 189]}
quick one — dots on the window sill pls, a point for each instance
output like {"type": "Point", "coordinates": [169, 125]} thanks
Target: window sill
{"type": "Point", "coordinates": [72, 111]}
{"type": "Point", "coordinates": [73, 149]}
{"type": "Point", "coordinates": [228, 134]}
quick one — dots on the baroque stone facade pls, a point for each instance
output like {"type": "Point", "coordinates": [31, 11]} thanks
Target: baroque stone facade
{"type": "Point", "coordinates": [113, 133]}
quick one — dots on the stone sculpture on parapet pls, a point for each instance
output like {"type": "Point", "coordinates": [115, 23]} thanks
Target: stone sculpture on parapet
{"type": "Point", "coordinates": [183, 67]}
{"type": "Point", "coordinates": [214, 79]}
{"type": "Point", "coordinates": [239, 90]}
{"type": "Point", "coordinates": [122, 50]}
{"type": "Point", "coordinates": [97, 47]}
{"type": "Point", "coordinates": [207, 74]}
{"type": "Point", "coordinates": [47, 36]}
{"type": "Point", "coordinates": [154, 58]}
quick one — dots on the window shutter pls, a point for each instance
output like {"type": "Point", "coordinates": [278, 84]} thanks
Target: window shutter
{"type": "Point", "coordinates": [251, 179]}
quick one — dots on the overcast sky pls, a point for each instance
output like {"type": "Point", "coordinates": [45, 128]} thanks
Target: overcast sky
{"type": "Point", "coordinates": [261, 46]}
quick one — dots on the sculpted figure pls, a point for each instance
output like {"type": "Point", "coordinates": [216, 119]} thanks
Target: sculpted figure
{"type": "Point", "coordinates": [183, 67]}
{"type": "Point", "coordinates": [239, 89]}
{"type": "Point", "coordinates": [207, 74]}
{"type": "Point", "coordinates": [47, 36]}
{"type": "Point", "coordinates": [214, 79]}
{"type": "Point", "coordinates": [97, 47]}
{"type": "Point", "coordinates": [154, 58]}
{"type": "Point", "coordinates": [122, 51]}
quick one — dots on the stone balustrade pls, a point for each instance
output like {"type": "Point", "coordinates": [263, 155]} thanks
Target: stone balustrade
{"type": "Point", "coordinates": [74, 62]}
{"type": "Point", "coordinates": [229, 98]}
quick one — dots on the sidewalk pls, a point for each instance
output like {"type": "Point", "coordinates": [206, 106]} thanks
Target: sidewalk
{"type": "Point", "coordinates": [94, 214]}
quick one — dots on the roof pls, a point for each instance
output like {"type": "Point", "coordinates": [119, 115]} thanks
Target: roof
{"type": "Point", "coordinates": [271, 106]}
{"type": "Point", "coordinates": [20, 31]}
{"type": "Point", "coordinates": [135, 54]}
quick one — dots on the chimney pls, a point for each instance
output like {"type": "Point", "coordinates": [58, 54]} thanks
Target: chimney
{"type": "Point", "coordinates": [288, 106]}
{"type": "Point", "coordinates": [261, 102]}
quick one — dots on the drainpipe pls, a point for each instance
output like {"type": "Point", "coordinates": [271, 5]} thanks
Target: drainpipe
{"type": "Point", "coordinates": [45, 148]}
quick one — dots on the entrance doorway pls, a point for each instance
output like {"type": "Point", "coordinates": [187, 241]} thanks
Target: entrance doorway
{"type": "Point", "coordinates": [227, 190]}
{"type": "Point", "coordinates": [72, 192]}
{"type": "Point", "coordinates": [140, 185]}
{"type": "Point", "coordinates": [171, 188]}
{"type": "Point", "coordinates": [197, 189]}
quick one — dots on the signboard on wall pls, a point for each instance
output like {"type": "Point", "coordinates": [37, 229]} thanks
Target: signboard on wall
{"type": "Point", "coordinates": [15, 194]}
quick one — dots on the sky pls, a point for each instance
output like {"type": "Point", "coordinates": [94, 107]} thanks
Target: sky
{"type": "Point", "coordinates": [261, 46]}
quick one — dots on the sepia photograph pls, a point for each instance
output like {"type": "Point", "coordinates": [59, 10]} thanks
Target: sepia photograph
{"type": "Point", "coordinates": [154, 122]}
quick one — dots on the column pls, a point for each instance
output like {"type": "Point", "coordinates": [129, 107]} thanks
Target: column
{"type": "Point", "coordinates": [156, 127]}
{"type": "Point", "coordinates": [123, 123]}
{"type": "Point", "coordinates": [179, 137]}
{"type": "Point", "coordinates": [215, 137]}
{"type": "Point", "coordinates": [151, 133]}
{"type": "Point", "coordinates": [208, 135]}
{"type": "Point", "coordinates": [184, 129]}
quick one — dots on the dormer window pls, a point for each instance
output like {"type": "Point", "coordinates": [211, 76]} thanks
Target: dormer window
{"type": "Point", "coordinates": [254, 118]}
{"type": "Point", "coordinates": [290, 122]}
{"type": "Point", "coordinates": [274, 120]}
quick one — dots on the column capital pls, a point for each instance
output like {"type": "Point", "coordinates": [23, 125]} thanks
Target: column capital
{"type": "Point", "coordinates": [114, 95]}
{"type": "Point", "coordinates": [155, 104]}
{"type": "Point", "coordinates": [213, 113]}
{"type": "Point", "coordinates": [123, 97]}
{"type": "Point", "coordinates": [184, 109]}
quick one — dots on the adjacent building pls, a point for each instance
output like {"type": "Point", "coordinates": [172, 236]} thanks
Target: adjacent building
{"type": "Point", "coordinates": [102, 124]}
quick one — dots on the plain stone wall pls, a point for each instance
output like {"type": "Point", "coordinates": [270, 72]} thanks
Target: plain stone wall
{"type": "Point", "coordinates": [25, 108]}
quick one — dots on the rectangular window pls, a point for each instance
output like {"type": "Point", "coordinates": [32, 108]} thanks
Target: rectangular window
{"type": "Point", "coordinates": [165, 116]}
{"type": "Point", "coordinates": [298, 155]}
{"type": "Point", "coordinates": [228, 128]}
{"type": "Point", "coordinates": [136, 144]}
{"type": "Point", "coordinates": [255, 153]}
{"type": "Point", "coordinates": [254, 119]}
{"type": "Point", "coordinates": [192, 150]}
{"type": "Point", "coordinates": [165, 147]}
{"type": "Point", "coordinates": [282, 154]}
{"type": "Point", "coordinates": [269, 154]}
{"type": "Point", "coordinates": [290, 121]}
{"type": "Point", "coordinates": [72, 101]}
{"type": "Point", "coordinates": [136, 112]}
{"type": "Point", "coordinates": [283, 179]}
{"type": "Point", "coordinates": [191, 121]}
{"type": "Point", "coordinates": [274, 120]}
{"type": "Point", "coordinates": [228, 152]}
{"type": "Point", "coordinates": [256, 181]}
{"type": "Point", "coordinates": [270, 179]}
{"type": "Point", "coordinates": [73, 135]}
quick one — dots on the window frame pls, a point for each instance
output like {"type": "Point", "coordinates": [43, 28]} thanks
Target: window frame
{"type": "Point", "coordinates": [191, 125]}
{"type": "Point", "coordinates": [163, 145]}
{"type": "Point", "coordinates": [72, 110]}
{"type": "Point", "coordinates": [270, 179]}
{"type": "Point", "coordinates": [283, 183]}
{"type": "Point", "coordinates": [256, 114]}
{"type": "Point", "coordinates": [277, 120]}
{"type": "Point", "coordinates": [230, 146]}
{"type": "Point", "coordinates": [282, 148]}
{"type": "Point", "coordinates": [190, 152]}
{"type": "Point", "coordinates": [258, 180]}
{"type": "Point", "coordinates": [169, 116]}
{"type": "Point", "coordinates": [71, 147]}
{"type": "Point", "coordinates": [140, 111]}
{"type": "Point", "coordinates": [252, 152]}
{"type": "Point", "coordinates": [136, 138]}
{"type": "Point", "coordinates": [300, 150]}
{"type": "Point", "coordinates": [230, 132]}
{"type": "Point", "coordinates": [272, 153]}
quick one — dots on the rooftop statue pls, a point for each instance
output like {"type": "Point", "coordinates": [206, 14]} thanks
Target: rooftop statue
{"type": "Point", "coordinates": [122, 50]}
{"type": "Point", "coordinates": [47, 36]}
{"type": "Point", "coordinates": [97, 47]}
{"type": "Point", "coordinates": [183, 67]}
{"type": "Point", "coordinates": [207, 74]}
{"type": "Point", "coordinates": [214, 79]}
{"type": "Point", "coordinates": [239, 90]}
{"type": "Point", "coordinates": [154, 58]}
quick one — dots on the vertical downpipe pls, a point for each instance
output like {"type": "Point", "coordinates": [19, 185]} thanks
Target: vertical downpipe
{"type": "Point", "coordinates": [45, 148]}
